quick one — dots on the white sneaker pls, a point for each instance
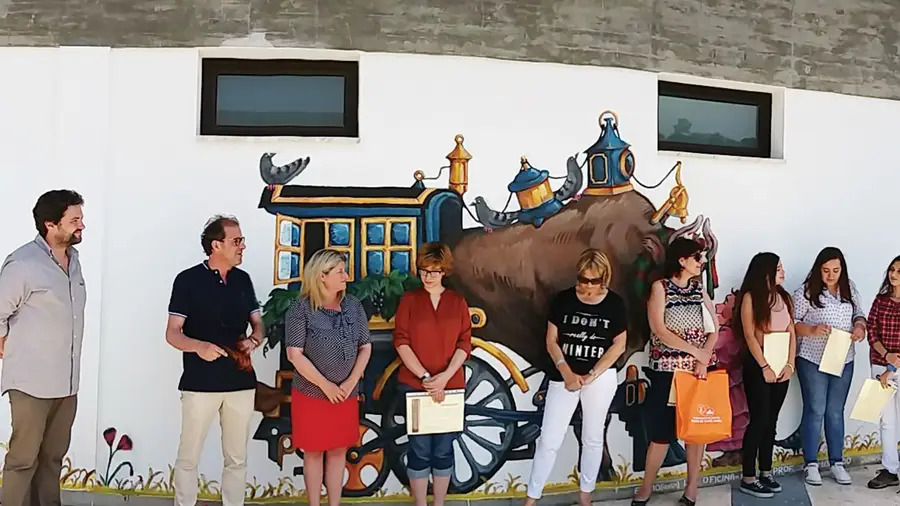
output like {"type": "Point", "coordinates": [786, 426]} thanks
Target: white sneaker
{"type": "Point", "coordinates": [840, 474]}
{"type": "Point", "coordinates": [812, 474]}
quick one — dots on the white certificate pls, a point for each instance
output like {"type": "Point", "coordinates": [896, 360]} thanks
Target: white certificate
{"type": "Point", "coordinates": [835, 355]}
{"type": "Point", "coordinates": [871, 401]}
{"type": "Point", "coordinates": [424, 416]}
{"type": "Point", "coordinates": [776, 348]}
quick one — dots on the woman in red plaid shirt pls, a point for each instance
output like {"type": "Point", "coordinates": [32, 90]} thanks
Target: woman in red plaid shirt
{"type": "Point", "coordinates": [884, 354]}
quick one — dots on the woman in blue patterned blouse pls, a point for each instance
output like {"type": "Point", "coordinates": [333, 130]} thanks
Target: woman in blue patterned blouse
{"type": "Point", "coordinates": [328, 343]}
{"type": "Point", "coordinates": [827, 299]}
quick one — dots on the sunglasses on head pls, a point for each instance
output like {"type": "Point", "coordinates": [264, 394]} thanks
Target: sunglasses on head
{"type": "Point", "coordinates": [584, 280]}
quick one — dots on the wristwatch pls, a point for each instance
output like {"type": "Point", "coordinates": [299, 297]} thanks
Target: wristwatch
{"type": "Point", "coordinates": [425, 376]}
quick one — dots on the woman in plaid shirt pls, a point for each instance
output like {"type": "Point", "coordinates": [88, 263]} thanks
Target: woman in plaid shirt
{"type": "Point", "coordinates": [884, 354]}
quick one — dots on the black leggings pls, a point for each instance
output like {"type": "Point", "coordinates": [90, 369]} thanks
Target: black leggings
{"type": "Point", "coordinates": [764, 401]}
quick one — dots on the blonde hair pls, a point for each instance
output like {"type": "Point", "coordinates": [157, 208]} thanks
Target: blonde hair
{"type": "Point", "coordinates": [594, 260]}
{"type": "Point", "coordinates": [435, 254]}
{"type": "Point", "coordinates": [321, 263]}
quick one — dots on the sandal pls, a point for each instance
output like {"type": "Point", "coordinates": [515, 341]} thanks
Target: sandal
{"type": "Point", "coordinates": [639, 502]}
{"type": "Point", "coordinates": [684, 501]}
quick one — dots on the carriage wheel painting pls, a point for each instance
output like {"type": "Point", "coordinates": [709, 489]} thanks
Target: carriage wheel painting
{"type": "Point", "coordinates": [487, 435]}
{"type": "Point", "coordinates": [365, 457]}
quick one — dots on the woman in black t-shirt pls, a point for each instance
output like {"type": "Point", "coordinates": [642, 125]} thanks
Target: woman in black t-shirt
{"type": "Point", "coordinates": [585, 337]}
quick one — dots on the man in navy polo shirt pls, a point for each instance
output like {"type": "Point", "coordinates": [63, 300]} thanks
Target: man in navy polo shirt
{"type": "Point", "coordinates": [212, 305]}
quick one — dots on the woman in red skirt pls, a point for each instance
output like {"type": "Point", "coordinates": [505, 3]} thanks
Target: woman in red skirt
{"type": "Point", "coordinates": [327, 339]}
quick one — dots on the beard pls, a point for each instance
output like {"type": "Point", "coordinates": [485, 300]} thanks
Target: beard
{"type": "Point", "coordinates": [73, 239]}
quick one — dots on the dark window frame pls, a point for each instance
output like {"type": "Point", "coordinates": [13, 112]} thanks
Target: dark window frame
{"type": "Point", "coordinates": [761, 100]}
{"type": "Point", "coordinates": [212, 68]}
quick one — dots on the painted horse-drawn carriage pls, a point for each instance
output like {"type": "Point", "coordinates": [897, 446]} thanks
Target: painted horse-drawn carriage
{"type": "Point", "coordinates": [379, 230]}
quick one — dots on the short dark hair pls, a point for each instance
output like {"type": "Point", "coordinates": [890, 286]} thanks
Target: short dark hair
{"type": "Point", "coordinates": [215, 231]}
{"type": "Point", "coordinates": [51, 206]}
{"type": "Point", "coordinates": [681, 247]}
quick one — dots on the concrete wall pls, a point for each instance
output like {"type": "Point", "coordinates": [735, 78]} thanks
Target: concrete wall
{"type": "Point", "coordinates": [827, 45]}
{"type": "Point", "coordinates": [120, 126]}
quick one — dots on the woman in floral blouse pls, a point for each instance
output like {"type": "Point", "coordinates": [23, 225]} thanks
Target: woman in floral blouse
{"type": "Point", "coordinates": [680, 340]}
{"type": "Point", "coordinates": [827, 299]}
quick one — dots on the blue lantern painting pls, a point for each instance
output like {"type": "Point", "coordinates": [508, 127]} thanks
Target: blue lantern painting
{"type": "Point", "coordinates": [610, 160]}
{"type": "Point", "coordinates": [536, 199]}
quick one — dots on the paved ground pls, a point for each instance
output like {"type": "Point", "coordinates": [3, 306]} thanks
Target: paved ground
{"type": "Point", "coordinates": [796, 493]}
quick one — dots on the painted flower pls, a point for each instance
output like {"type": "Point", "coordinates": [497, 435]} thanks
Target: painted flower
{"type": "Point", "coordinates": [125, 443]}
{"type": "Point", "coordinates": [109, 435]}
{"type": "Point", "coordinates": [724, 310]}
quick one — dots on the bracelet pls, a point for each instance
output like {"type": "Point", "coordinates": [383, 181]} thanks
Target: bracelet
{"type": "Point", "coordinates": [891, 367]}
{"type": "Point", "coordinates": [790, 365]}
{"type": "Point", "coordinates": [558, 362]}
{"type": "Point", "coordinates": [764, 367]}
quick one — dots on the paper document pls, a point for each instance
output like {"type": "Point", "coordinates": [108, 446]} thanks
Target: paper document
{"type": "Point", "coordinates": [424, 416]}
{"type": "Point", "coordinates": [871, 401]}
{"type": "Point", "coordinates": [776, 348]}
{"type": "Point", "coordinates": [835, 355]}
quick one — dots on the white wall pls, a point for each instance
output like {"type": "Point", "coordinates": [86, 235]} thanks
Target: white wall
{"type": "Point", "coordinates": [120, 126]}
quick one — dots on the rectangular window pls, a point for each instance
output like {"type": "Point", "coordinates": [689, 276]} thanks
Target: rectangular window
{"type": "Point", "coordinates": [717, 121]}
{"type": "Point", "coordinates": [288, 249]}
{"type": "Point", "coordinates": [388, 245]}
{"type": "Point", "coordinates": [290, 98]}
{"type": "Point", "coordinates": [340, 237]}
{"type": "Point", "coordinates": [297, 240]}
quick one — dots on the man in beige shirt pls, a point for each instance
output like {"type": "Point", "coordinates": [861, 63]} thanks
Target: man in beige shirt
{"type": "Point", "coordinates": [42, 299]}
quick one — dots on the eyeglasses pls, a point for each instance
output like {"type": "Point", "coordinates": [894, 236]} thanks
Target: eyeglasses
{"type": "Point", "coordinates": [237, 241]}
{"type": "Point", "coordinates": [426, 272]}
{"type": "Point", "coordinates": [589, 281]}
{"type": "Point", "coordinates": [698, 256]}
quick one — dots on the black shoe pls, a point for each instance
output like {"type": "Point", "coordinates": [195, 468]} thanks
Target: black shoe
{"type": "Point", "coordinates": [756, 489]}
{"type": "Point", "coordinates": [684, 501]}
{"type": "Point", "coordinates": [639, 502]}
{"type": "Point", "coordinates": [883, 479]}
{"type": "Point", "coordinates": [769, 482]}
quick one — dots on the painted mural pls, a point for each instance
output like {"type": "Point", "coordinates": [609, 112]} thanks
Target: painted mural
{"type": "Point", "coordinates": [507, 267]}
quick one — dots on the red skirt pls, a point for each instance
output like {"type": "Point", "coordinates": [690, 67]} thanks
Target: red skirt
{"type": "Point", "coordinates": [318, 425]}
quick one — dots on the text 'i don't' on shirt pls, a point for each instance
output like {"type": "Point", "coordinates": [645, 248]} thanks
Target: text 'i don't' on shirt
{"type": "Point", "coordinates": [585, 331]}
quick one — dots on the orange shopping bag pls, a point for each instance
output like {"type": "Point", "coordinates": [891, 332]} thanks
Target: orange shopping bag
{"type": "Point", "coordinates": [702, 407]}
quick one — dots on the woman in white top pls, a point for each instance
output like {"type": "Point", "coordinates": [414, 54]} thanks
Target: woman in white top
{"type": "Point", "coordinates": [826, 300]}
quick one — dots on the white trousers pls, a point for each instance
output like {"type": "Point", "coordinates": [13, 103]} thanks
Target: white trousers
{"type": "Point", "coordinates": [198, 409]}
{"type": "Point", "coordinates": [890, 430]}
{"type": "Point", "coordinates": [558, 409]}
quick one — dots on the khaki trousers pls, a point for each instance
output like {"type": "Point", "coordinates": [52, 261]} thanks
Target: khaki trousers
{"type": "Point", "coordinates": [41, 433]}
{"type": "Point", "coordinates": [198, 409]}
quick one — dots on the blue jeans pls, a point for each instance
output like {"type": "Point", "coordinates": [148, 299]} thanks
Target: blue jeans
{"type": "Point", "coordinates": [824, 398]}
{"type": "Point", "coordinates": [429, 454]}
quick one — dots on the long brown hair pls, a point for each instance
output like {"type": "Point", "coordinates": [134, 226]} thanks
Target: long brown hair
{"type": "Point", "coordinates": [759, 283]}
{"type": "Point", "coordinates": [886, 288]}
{"type": "Point", "coordinates": [814, 286]}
